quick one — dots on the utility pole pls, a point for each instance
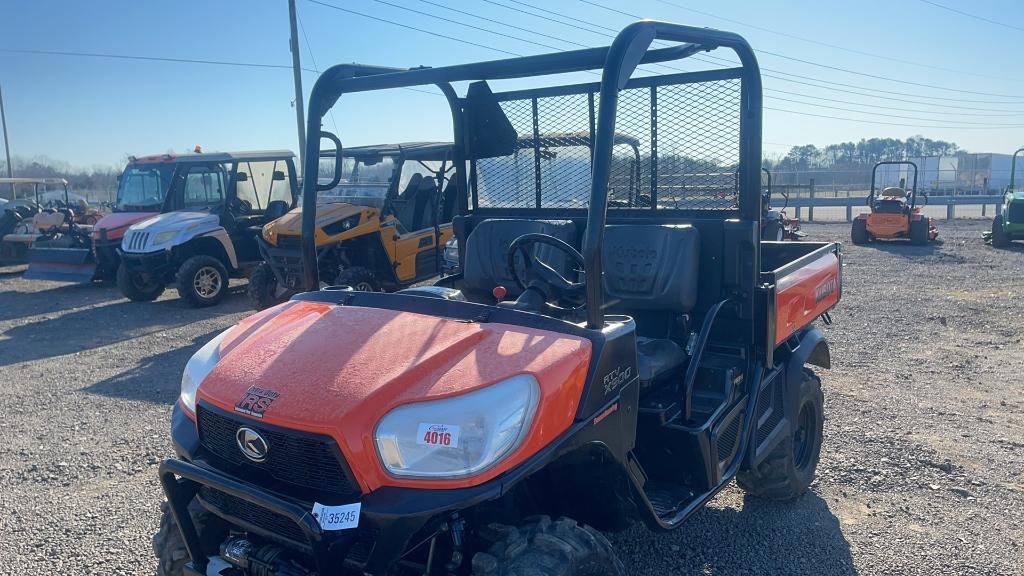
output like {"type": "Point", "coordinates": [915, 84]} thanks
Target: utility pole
{"type": "Point", "coordinates": [300, 116]}
{"type": "Point", "coordinates": [7, 145]}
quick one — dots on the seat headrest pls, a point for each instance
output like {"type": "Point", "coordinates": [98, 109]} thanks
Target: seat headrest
{"type": "Point", "coordinates": [894, 192]}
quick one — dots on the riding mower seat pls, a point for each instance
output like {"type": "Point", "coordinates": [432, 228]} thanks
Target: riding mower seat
{"type": "Point", "coordinates": [486, 260]}
{"type": "Point", "coordinates": [652, 268]}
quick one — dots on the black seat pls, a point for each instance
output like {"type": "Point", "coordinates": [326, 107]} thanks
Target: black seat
{"type": "Point", "coordinates": [412, 206]}
{"type": "Point", "coordinates": [275, 209]}
{"type": "Point", "coordinates": [486, 259]}
{"type": "Point", "coordinates": [652, 268]}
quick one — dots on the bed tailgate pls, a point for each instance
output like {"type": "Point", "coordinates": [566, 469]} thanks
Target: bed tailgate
{"type": "Point", "coordinates": [806, 288]}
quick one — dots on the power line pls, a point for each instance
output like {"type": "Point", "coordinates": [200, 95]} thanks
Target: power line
{"type": "Point", "coordinates": [316, 68]}
{"type": "Point", "coordinates": [976, 17]}
{"type": "Point", "coordinates": [148, 58]}
{"type": "Point", "coordinates": [827, 66]}
{"type": "Point", "coordinates": [471, 26]}
{"type": "Point", "coordinates": [835, 46]}
{"type": "Point", "coordinates": [765, 72]}
{"type": "Point", "coordinates": [683, 70]}
{"type": "Point", "coordinates": [1008, 126]}
{"type": "Point", "coordinates": [407, 27]}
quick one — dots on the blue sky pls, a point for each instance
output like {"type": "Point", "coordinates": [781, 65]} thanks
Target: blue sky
{"type": "Point", "coordinates": [95, 111]}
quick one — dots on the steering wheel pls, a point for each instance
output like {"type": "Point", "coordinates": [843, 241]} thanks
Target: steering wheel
{"type": "Point", "coordinates": [541, 277]}
{"type": "Point", "coordinates": [243, 207]}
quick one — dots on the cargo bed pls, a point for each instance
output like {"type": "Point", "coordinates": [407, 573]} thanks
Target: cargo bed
{"type": "Point", "coordinates": [802, 280]}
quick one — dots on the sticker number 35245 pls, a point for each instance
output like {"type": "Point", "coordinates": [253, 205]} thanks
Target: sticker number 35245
{"type": "Point", "coordinates": [337, 517]}
{"type": "Point", "coordinates": [438, 435]}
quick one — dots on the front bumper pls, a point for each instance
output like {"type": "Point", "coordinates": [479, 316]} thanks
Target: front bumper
{"type": "Point", "coordinates": [158, 264]}
{"type": "Point", "coordinates": [389, 516]}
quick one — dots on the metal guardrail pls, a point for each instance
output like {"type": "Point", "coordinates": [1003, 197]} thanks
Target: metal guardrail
{"type": "Point", "coordinates": [950, 202]}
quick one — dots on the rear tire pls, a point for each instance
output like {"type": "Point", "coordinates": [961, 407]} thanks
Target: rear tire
{"type": "Point", "coordinates": [168, 545]}
{"type": "Point", "coordinates": [359, 278]}
{"type": "Point", "coordinates": [919, 231]}
{"type": "Point", "coordinates": [789, 469]}
{"type": "Point", "coordinates": [262, 289]}
{"type": "Point", "coordinates": [135, 288]}
{"type": "Point", "coordinates": [542, 546]}
{"type": "Point", "coordinates": [859, 233]}
{"type": "Point", "coordinates": [202, 281]}
{"type": "Point", "coordinates": [1000, 239]}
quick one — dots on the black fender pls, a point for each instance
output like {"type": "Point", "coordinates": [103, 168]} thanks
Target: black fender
{"type": "Point", "coordinates": [807, 346]}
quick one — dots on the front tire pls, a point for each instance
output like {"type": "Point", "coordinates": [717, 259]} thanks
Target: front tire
{"type": "Point", "coordinates": [542, 546]}
{"type": "Point", "coordinates": [135, 287]}
{"type": "Point", "coordinates": [789, 469]}
{"type": "Point", "coordinates": [1000, 239]}
{"type": "Point", "coordinates": [359, 278]}
{"type": "Point", "coordinates": [202, 281]}
{"type": "Point", "coordinates": [262, 289]}
{"type": "Point", "coordinates": [773, 231]}
{"type": "Point", "coordinates": [169, 546]}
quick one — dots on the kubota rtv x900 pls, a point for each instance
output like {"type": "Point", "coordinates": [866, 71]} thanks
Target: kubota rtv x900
{"type": "Point", "coordinates": [594, 362]}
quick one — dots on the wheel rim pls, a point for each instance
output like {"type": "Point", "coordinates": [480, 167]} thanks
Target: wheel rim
{"type": "Point", "coordinates": [363, 287]}
{"type": "Point", "coordinates": [207, 282]}
{"type": "Point", "coordinates": [804, 436]}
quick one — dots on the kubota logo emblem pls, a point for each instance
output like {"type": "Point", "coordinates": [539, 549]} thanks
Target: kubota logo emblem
{"type": "Point", "coordinates": [252, 444]}
{"type": "Point", "coordinates": [824, 290]}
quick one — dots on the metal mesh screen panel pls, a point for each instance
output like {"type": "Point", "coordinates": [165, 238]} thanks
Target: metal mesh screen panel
{"type": "Point", "coordinates": [677, 146]}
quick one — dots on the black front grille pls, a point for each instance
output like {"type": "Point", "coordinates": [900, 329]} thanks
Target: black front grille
{"type": "Point", "coordinates": [254, 514]}
{"type": "Point", "coordinates": [300, 459]}
{"type": "Point", "coordinates": [1016, 213]}
{"type": "Point", "coordinates": [289, 242]}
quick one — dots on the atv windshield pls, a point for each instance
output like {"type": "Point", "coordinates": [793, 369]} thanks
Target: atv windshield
{"type": "Point", "coordinates": [143, 188]}
{"type": "Point", "coordinates": [364, 181]}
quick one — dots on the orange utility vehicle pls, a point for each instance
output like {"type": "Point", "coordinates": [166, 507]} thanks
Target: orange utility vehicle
{"type": "Point", "coordinates": [594, 361]}
{"type": "Point", "coordinates": [894, 212]}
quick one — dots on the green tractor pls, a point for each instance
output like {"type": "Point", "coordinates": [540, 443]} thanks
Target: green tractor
{"type": "Point", "coordinates": [1008, 224]}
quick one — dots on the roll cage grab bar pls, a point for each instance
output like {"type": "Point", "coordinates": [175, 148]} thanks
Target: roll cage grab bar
{"type": "Point", "coordinates": [913, 186]}
{"type": "Point", "coordinates": [631, 48]}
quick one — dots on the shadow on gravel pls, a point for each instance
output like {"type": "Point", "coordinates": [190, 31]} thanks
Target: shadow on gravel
{"type": "Point", "coordinates": [54, 300]}
{"type": "Point", "coordinates": [801, 538]}
{"type": "Point", "coordinates": [105, 325]}
{"type": "Point", "coordinates": [904, 248]}
{"type": "Point", "coordinates": [155, 379]}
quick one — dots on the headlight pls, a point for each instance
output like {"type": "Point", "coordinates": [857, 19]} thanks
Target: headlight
{"type": "Point", "coordinates": [197, 368]}
{"type": "Point", "coordinates": [458, 436]}
{"type": "Point", "coordinates": [166, 236]}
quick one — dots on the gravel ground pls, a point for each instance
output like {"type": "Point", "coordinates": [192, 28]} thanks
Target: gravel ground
{"type": "Point", "coordinates": [922, 470]}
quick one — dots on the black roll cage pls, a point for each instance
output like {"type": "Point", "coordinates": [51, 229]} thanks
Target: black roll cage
{"type": "Point", "coordinates": [913, 186]}
{"type": "Point", "coordinates": [1013, 169]}
{"type": "Point", "coordinates": [631, 48]}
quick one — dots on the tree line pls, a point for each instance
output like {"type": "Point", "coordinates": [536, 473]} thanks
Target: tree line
{"type": "Point", "coordinates": [865, 153]}
{"type": "Point", "coordinates": [95, 178]}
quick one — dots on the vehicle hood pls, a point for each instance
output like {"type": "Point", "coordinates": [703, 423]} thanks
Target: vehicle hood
{"type": "Point", "coordinates": [1017, 197]}
{"type": "Point", "coordinates": [337, 370]}
{"type": "Point", "coordinates": [115, 224]}
{"type": "Point", "coordinates": [291, 223]}
{"type": "Point", "coordinates": [175, 221]}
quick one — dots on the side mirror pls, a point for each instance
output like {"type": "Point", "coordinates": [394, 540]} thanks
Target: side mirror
{"type": "Point", "coordinates": [279, 175]}
{"type": "Point", "coordinates": [244, 177]}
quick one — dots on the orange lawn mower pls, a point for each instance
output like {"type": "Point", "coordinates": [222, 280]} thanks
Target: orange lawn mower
{"type": "Point", "coordinates": [892, 216]}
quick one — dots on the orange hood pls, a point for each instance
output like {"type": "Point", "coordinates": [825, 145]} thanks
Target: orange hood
{"type": "Point", "coordinates": [337, 370]}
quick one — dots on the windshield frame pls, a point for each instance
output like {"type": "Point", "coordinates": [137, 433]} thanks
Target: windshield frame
{"type": "Point", "coordinates": [165, 172]}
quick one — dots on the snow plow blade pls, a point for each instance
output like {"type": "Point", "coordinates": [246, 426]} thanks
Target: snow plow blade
{"type": "Point", "coordinates": [61, 265]}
